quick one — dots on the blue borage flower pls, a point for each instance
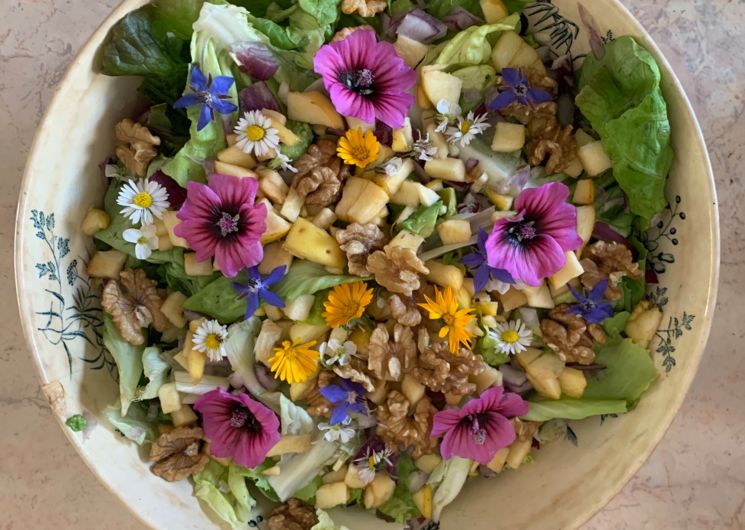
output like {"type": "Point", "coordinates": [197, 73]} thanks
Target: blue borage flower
{"type": "Point", "coordinates": [347, 397]}
{"type": "Point", "coordinates": [592, 307]}
{"type": "Point", "coordinates": [256, 289]}
{"type": "Point", "coordinates": [477, 260]}
{"type": "Point", "coordinates": [211, 94]}
{"type": "Point", "coordinates": [516, 88]}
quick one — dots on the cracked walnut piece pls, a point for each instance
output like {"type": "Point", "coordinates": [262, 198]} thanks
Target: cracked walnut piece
{"type": "Point", "coordinates": [389, 358]}
{"type": "Point", "coordinates": [136, 146]}
{"type": "Point", "coordinates": [358, 241]}
{"type": "Point", "coordinates": [441, 371]}
{"type": "Point", "coordinates": [397, 269]}
{"type": "Point", "coordinates": [292, 515]}
{"type": "Point", "coordinates": [404, 310]}
{"type": "Point", "coordinates": [364, 8]}
{"type": "Point", "coordinates": [319, 174]}
{"type": "Point", "coordinates": [608, 261]}
{"type": "Point", "coordinates": [401, 431]}
{"type": "Point", "coordinates": [135, 307]}
{"type": "Point", "coordinates": [570, 336]}
{"type": "Point", "coordinates": [178, 453]}
{"type": "Point", "coordinates": [356, 370]}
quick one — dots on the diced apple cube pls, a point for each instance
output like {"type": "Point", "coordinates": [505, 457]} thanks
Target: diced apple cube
{"type": "Point", "coordinates": [330, 495]}
{"type": "Point", "coordinates": [539, 296]}
{"type": "Point", "coordinates": [410, 50]}
{"type": "Point", "coordinates": [406, 239]}
{"type": "Point", "coordinates": [412, 389]}
{"type": "Point", "coordinates": [94, 220]}
{"type": "Point", "coordinates": [235, 171]}
{"type": "Point", "coordinates": [275, 256]}
{"type": "Point", "coordinates": [488, 309]}
{"type": "Point", "coordinates": [517, 453]}
{"type": "Point", "coordinates": [488, 378]}
{"type": "Point", "coordinates": [192, 267]}
{"type": "Point", "coordinates": [352, 478]}
{"type": "Point", "coordinates": [427, 196]}
{"type": "Point", "coordinates": [571, 269]}
{"type": "Point", "coordinates": [272, 185]}
{"type": "Point", "coordinates": [422, 101]}
{"type": "Point", "coordinates": [378, 492]}
{"type": "Point", "coordinates": [106, 264]}
{"type": "Point", "coordinates": [574, 169]}
{"type": "Point", "coordinates": [438, 141]}
{"type": "Point", "coordinates": [276, 117]}
{"type": "Point", "coordinates": [361, 201]}
{"type": "Point", "coordinates": [173, 309]}
{"type": "Point", "coordinates": [497, 463]}
{"type": "Point", "coordinates": [392, 183]}
{"type": "Point", "coordinates": [573, 382]}
{"type": "Point", "coordinates": [502, 202]}
{"type": "Point", "coordinates": [307, 241]}
{"type": "Point", "coordinates": [292, 206]}
{"type": "Point", "coordinates": [428, 463]}
{"type": "Point", "coordinates": [439, 85]}
{"type": "Point", "coordinates": [494, 10]}
{"type": "Point", "coordinates": [512, 299]}
{"type": "Point", "coordinates": [183, 416]}
{"type": "Point", "coordinates": [508, 137]}
{"type": "Point", "coordinates": [266, 340]}
{"type": "Point", "coordinates": [307, 332]}
{"type": "Point", "coordinates": [527, 356]}
{"type": "Point", "coordinates": [164, 243]}
{"type": "Point", "coordinates": [643, 323]}
{"type": "Point", "coordinates": [403, 138]}
{"type": "Point", "coordinates": [451, 169]}
{"type": "Point", "coordinates": [335, 476]}
{"type": "Point", "coordinates": [445, 275]}
{"type": "Point", "coordinates": [423, 501]}
{"type": "Point", "coordinates": [313, 107]}
{"type": "Point", "coordinates": [407, 194]}
{"type": "Point", "coordinates": [324, 218]}
{"type": "Point", "coordinates": [171, 221]}
{"type": "Point", "coordinates": [276, 226]}
{"type": "Point", "coordinates": [583, 138]}
{"type": "Point", "coordinates": [594, 158]}
{"type": "Point", "coordinates": [299, 308]}
{"type": "Point", "coordinates": [584, 192]}
{"type": "Point", "coordinates": [543, 374]}
{"type": "Point", "coordinates": [290, 444]}
{"type": "Point", "coordinates": [169, 398]}
{"type": "Point", "coordinates": [454, 231]}
{"type": "Point", "coordinates": [234, 156]}
{"type": "Point", "coordinates": [356, 123]}
{"type": "Point", "coordinates": [585, 222]}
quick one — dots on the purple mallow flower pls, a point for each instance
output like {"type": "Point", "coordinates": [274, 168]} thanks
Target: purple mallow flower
{"type": "Point", "coordinates": [592, 307]}
{"type": "Point", "coordinates": [256, 289]}
{"type": "Point", "coordinates": [481, 427]}
{"type": "Point", "coordinates": [516, 88]}
{"type": "Point", "coordinates": [366, 78]}
{"type": "Point", "coordinates": [237, 426]}
{"type": "Point", "coordinates": [211, 94]}
{"type": "Point", "coordinates": [483, 271]}
{"type": "Point", "coordinates": [530, 245]}
{"type": "Point", "coordinates": [347, 397]}
{"type": "Point", "coordinates": [220, 219]}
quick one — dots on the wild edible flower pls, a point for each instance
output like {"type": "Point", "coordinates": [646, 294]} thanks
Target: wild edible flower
{"type": "Point", "coordinates": [256, 134]}
{"type": "Point", "coordinates": [517, 89]}
{"type": "Point", "coordinates": [347, 397]}
{"type": "Point", "coordinates": [256, 289]}
{"type": "Point", "coordinates": [423, 148]}
{"type": "Point", "coordinates": [220, 219]}
{"type": "Point", "coordinates": [391, 167]}
{"type": "Point", "coordinates": [336, 352]}
{"type": "Point", "coordinates": [145, 240]}
{"type": "Point", "coordinates": [531, 244]}
{"type": "Point", "coordinates": [294, 362]}
{"type": "Point", "coordinates": [346, 302]}
{"type": "Point", "coordinates": [481, 427]}
{"type": "Point", "coordinates": [341, 432]}
{"type": "Point", "coordinates": [483, 272]}
{"type": "Point", "coordinates": [592, 307]}
{"type": "Point", "coordinates": [447, 114]}
{"type": "Point", "coordinates": [237, 426]}
{"type": "Point", "coordinates": [142, 200]}
{"type": "Point", "coordinates": [467, 129]}
{"type": "Point", "coordinates": [210, 338]}
{"type": "Point", "coordinates": [456, 322]}
{"type": "Point", "coordinates": [366, 78]}
{"type": "Point", "coordinates": [358, 149]}
{"type": "Point", "coordinates": [512, 337]}
{"type": "Point", "coordinates": [283, 161]}
{"type": "Point", "coordinates": [374, 456]}
{"type": "Point", "coordinates": [212, 94]}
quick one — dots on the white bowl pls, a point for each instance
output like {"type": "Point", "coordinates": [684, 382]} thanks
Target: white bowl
{"type": "Point", "coordinates": [561, 489]}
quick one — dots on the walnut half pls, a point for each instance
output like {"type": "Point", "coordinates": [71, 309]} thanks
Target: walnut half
{"type": "Point", "coordinates": [358, 241]}
{"type": "Point", "coordinates": [319, 174]}
{"type": "Point", "coordinates": [390, 358]}
{"type": "Point", "coordinates": [364, 8]}
{"type": "Point", "coordinates": [136, 146]}
{"type": "Point", "coordinates": [292, 515]}
{"type": "Point", "coordinates": [399, 430]}
{"type": "Point", "coordinates": [441, 371]}
{"type": "Point", "coordinates": [397, 269]}
{"type": "Point", "coordinates": [570, 336]}
{"type": "Point", "coordinates": [608, 261]}
{"type": "Point", "coordinates": [179, 453]}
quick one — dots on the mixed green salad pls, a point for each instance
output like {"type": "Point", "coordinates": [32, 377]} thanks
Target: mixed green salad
{"type": "Point", "coordinates": [356, 252]}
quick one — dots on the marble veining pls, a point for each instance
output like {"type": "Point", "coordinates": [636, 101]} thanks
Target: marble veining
{"type": "Point", "coordinates": [694, 480]}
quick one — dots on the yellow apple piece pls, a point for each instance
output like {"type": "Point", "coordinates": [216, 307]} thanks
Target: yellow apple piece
{"type": "Point", "coordinates": [330, 495]}
{"type": "Point", "coordinates": [584, 192]}
{"type": "Point", "coordinates": [169, 398]}
{"type": "Point", "coordinates": [494, 10]}
{"type": "Point", "coordinates": [106, 264]}
{"type": "Point", "coordinates": [171, 221]}
{"type": "Point", "coordinates": [508, 137]}
{"type": "Point", "coordinates": [452, 169]}
{"type": "Point", "coordinates": [193, 267]}
{"type": "Point", "coordinates": [406, 239]}
{"type": "Point", "coordinates": [439, 85]}
{"type": "Point", "coordinates": [306, 241]}
{"type": "Point", "coordinates": [392, 183]}
{"type": "Point", "coordinates": [233, 170]}
{"type": "Point", "coordinates": [423, 501]}
{"type": "Point", "coordinates": [356, 123]}
{"type": "Point", "coordinates": [313, 107]}
{"type": "Point", "coordinates": [445, 275]}
{"type": "Point", "coordinates": [594, 158]}
{"type": "Point", "coordinates": [454, 231]}
{"type": "Point", "coordinates": [403, 138]}
{"type": "Point", "coordinates": [585, 222]}
{"type": "Point", "coordinates": [234, 156]}
{"type": "Point", "coordinates": [410, 50]}
{"type": "Point", "coordinates": [183, 416]}
{"type": "Point", "coordinates": [497, 463]}
{"type": "Point", "coordinates": [173, 308]}
{"type": "Point", "coordinates": [94, 220]}
{"type": "Point", "coordinates": [275, 256]}
{"type": "Point", "coordinates": [361, 201]}
{"type": "Point", "coordinates": [573, 382]}
{"type": "Point", "coordinates": [643, 323]}
{"type": "Point", "coordinates": [539, 296]}
{"type": "Point", "coordinates": [571, 269]}
{"type": "Point", "coordinates": [379, 491]}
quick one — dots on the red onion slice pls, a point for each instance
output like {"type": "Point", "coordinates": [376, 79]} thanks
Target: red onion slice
{"type": "Point", "coordinates": [256, 97]}
{"type": "Point", "coordinates": [255, 59]}
{"type": "Point", "coordinates": [421, 26]}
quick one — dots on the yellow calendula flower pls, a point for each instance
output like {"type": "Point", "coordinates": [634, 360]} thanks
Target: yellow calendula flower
{"type": "Point", "coordinates": [456, 321]}
{"type": "Point", "coordinates": [294, 362]}
{"type": "Point", "coordinates": [357, 148]}
{"type": "Point", "coordinates": [345, 302]}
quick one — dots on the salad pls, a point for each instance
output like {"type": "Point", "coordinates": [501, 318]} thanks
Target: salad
{"type": "Point", "coordinates": [353, 253]}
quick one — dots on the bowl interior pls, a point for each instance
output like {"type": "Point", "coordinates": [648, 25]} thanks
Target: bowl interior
{"type": "Point", "coordinates": [565, 485]}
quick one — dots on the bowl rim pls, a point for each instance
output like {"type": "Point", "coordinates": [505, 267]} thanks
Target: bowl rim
{"type": "Point", "coordinates": [90, 47]}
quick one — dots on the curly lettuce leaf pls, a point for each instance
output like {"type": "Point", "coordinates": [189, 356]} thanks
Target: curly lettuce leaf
{"type": "Point", "coordinates": [156, 371]}
{"type": "Point", "coordinates": [573, 409]}
{"type": "Point", "coordinates": [325, 12]}
{"type": "Point", "coordinates": [306, 277]}
{"type": "Point", "coordinates": [128, 360]}
{"type": "Point", "coordinates": [135, 425]}
{"type": "Point", "coordinates": [257, 478]}
{"type": "Point", "coordinates": [325, 522]}
{"type": "Point", "coordinates": [471, 45]}
{"type": "Point", "coordinates": [401, 506]}
{"type": "Point", "coordinates": [620, 95]}
{"type": "Point", "coordinates": [224, 491]}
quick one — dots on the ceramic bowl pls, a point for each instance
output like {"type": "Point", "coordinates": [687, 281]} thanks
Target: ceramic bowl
{"type": "Point", "coordinates": [565, 484]}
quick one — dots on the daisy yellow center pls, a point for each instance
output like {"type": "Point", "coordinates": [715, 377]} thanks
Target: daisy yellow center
{"type": "Point", "coordinates": [255, 133]}
{"type": "Point", "coordinates": [510, 336]}
{"type": "Point", "coordinates": [465, 126]}
{"type": "Point", "coordinates": [143, 199]}
{"type": "Point", "coordinates": [371, 462]}
{"type": "Point", "coordinates": [212, 341]}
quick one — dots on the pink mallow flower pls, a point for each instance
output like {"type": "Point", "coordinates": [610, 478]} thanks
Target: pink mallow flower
{"type": "Point", "coordinates": [366, 79]}
{"type": "Point", "coordinates": [237, 426]}
{"type": "Point", "coordinates": [531, 244]}
{"type": "Point", "coordinates": [220, 219]}
{"type": "Point", "coordinates": [481, 427]}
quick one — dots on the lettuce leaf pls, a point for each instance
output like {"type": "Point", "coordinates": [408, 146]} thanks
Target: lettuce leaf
{"type": "Point", "coordinates": [223, 489]}
{"type": "Point", "coordinates": [128, 360]}
{"type": "Point", "coordinates": [447, 479]}
{"type": "Point", "coordinates": [476, 77]}
{"type": "Point", "coordinates": [471, 46]}
{"type": "Point", "coordinates": [621, 97]}
{"type": "Point", "coordinates": [325, 522]}
{"type": "Point", "coordinates": [422, 222]}
{"type": "Point", "coordinates": [306, 277]}
{"type": "Point", "coordinates": [401, 506]}
{"type": "Point", "coordinates": [256, 476]}
{"type": "Point", "coordinates": [442, 8]}
{"type": "Point", "coordinates": [573, 409]}
{"type": "Point", "coordinates": [219, 300]}
{"type": "Point", "coordinates": [324, 11]}
{"type": "Point", "coordinates": [135, 425]}
{"type": "Point", "coordinates": [300, 469]}
{"type": "Point", "coordinates": [294, 419]}
{"type": "Point", "coordinates": [156, 370]}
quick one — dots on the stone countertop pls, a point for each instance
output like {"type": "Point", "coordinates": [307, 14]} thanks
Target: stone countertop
{"type": "Point", "coordinates": [694, 480]}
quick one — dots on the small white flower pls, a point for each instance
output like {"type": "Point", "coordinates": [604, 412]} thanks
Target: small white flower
{"type": "Point", "coordinates": [512, 337]}
{"type": "Point", "coordinates": [392, 166]}
{"type": "Point", "coordinates": [256, 134]}
{"type": "Point", "coordinates": [145, 240]}
{"type": "Point", "coordinates": [368, 464]}
{"type": "Point", "coordinates": [423, 148]}
{"type": "Point", "coordinates": [341, 432]}
{"type": "Point", "coordinates": [467, 129]}
{"type": "Point", "coordinates": [142, 200]}
{"type": "Point", "coordinates": [497, 285]}
{"type": "Point", "coordinates": [447, 113]}
{"type": "Point", "coordinates": [336, 352]}
{"type": "Point", "coordinates": [283, 162]}
{"type": "Point", "coordinates": [113, 171]}
{"type": "Point", "coordinates": [210, 338]}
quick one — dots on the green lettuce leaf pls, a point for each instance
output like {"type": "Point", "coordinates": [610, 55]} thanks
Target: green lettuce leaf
{"type": "Point", "coordinates": [471, 46]}
{"type": "Point", "coordinates": [324, 11]}
{"type": "Point", "coordinates": [488, 348]}
{"type": "Point", "coordinates": [450, 199]}
{"type": "Point", "coordinates": [224, 492]}
{"type": "Point", "coordinates": [177, 15]}
{"type": "Point", "coordinates": [447, 479]}
{"type": "Point", "coordinates": [401, 506]}
{"type": "Point", "coordinates": [325, 522]}
{"type": "Point", "coordinates": [128, 360]}
{"type": "Point", "coordinates": [477, 77]}
{"type": "Point", "coordinates": [135, 425]}
{"type": "Point", "coordinates": [278, 36]}
{"type": "Point", "coordinates": [422, 222]}
{"type": "Point", "coordinates": [621, 97]}
{"type": "Point", "coordinates": [219, 300]}
{"type": "Point", "coordinates": [614, 325]}
{"type": "Point", "coordinates": [300, 469]}
{"type": "Point", "coordinates": [306, 277]}
{"type": "Point", "coordinates": [170, 125]}
{"type": "Point", "coordinates": [308, 492]}
{"type": "Point", "coordinates": [440, 8]}
{"type": "Point", "coordinates": [156, 370]}
{"type": "Point", "coordinates": [573, 409]}
{"type": "Point", "coordinates": [257, 478]}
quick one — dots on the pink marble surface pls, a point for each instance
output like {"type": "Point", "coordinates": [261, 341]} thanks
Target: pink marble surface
{"type": "Point", "coordinates": [694, 480]}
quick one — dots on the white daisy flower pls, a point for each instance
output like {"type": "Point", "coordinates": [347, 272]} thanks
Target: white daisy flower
{"type": "Point", "coordinates": [512, 337]}
{"type": "Point", "coordinates": [336, 352]}
{"type": "Point", "coordinates": [142, 200]}
{"type": "Point", "coordinates": [145, 240]}
{"type": "Point", "coordinates": [210, 338]}
{"type": "Point", "coordinates": [256, 134]}
{"type": "Point", "coordinates": [467, 129]}
{"type": "Point", "coordinates": [423, 148]}
{"type": "Point", "coordinates": [368, 464]}
{"type": "Point", "coordinates": [447, 113]}
{"type": "Point", "coordinates": [392, 166]}
{"type": "Point", "coordinates": [341, 432]}
{"type": "Point", "coordinates": [283, 162]}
